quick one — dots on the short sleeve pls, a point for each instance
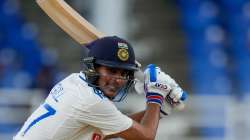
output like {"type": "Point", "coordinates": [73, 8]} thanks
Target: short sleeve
{"type": "Point", "coordinates": [105, 116]}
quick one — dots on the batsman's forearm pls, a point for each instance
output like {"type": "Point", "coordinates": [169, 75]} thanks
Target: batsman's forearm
{"type": "Point", "coordinates": [137, 116]}
{"type": "Point", "coordinates": [146, 128]}
{"type": "Point", "coordinates": [151, 119]}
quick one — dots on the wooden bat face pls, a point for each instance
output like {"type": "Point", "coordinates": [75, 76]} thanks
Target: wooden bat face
{"type": "Point", "coordinates": [70, 21]}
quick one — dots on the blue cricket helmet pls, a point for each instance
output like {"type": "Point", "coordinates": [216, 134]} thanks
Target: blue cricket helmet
{"type": "Point", "coordinates": [113, 51]}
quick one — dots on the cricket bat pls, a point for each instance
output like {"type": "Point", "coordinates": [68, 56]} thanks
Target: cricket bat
{"type": "Point", "coordinates": [70, 21]}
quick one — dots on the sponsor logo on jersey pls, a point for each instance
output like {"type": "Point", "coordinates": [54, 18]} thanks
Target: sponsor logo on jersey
{"type": "Point", "coordinates": [96, 136]}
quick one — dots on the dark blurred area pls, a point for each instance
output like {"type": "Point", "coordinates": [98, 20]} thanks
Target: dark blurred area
{"type": "Point", "coordinates": [24, 62]}
{"type": "Point", "coordinates": [217, 45]}
{"type": "Point", "coordinates": [203, 44]}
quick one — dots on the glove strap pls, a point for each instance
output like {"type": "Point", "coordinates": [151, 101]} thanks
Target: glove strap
{"type": "Point", "coordinates": [163, 113]}
{"type": "Point", "coordinates": [154, 98]}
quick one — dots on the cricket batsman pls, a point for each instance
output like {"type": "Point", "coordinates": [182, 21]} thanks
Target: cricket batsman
{"type": "Point", "coordinates": [80, 107]}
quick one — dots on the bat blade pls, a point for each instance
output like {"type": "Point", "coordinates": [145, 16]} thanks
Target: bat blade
{"type": "Point", "coordinates": [70, 21]}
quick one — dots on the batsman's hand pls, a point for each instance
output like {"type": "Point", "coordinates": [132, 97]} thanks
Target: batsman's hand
{"type": "Point", "coordinates": [162, 89]}
{"type": "Point", "coordinates": [157, 84]}
{"type": "Point", "coordinates": [171, 102]}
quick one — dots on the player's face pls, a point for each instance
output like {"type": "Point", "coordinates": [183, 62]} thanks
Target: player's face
{"type": "Point", "coordinates": [111, 80]}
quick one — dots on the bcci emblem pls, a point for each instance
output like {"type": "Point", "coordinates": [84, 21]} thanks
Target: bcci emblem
{"type": "Point", "coordinates": [123, 51]}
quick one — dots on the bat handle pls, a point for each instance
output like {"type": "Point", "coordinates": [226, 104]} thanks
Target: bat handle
{"type": "Point", "coordinates": [152, 72]}
{"type": "Point", "coordinates": [184, 96]}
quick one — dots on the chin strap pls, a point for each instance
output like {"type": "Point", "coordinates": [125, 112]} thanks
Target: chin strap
{"type": "Point", "coordinates": [123, 92]}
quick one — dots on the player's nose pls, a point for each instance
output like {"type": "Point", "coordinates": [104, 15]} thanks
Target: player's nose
{"type": "Point", "coordinates": [118, 79]}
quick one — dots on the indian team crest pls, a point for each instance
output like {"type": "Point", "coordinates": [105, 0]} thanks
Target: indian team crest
{"type": "Point", "coordinates": [122, 52]}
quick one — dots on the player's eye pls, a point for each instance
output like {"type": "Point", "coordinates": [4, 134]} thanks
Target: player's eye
{"type": "Point", "coordinates": [118, 73]}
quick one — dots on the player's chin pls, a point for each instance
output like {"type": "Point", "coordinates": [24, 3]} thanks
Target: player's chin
{"type": "Point", "coordinates": [110, 93]}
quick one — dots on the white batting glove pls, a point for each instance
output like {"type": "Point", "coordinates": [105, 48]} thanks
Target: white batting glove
{"type": "Point", "coordinates": [175, 100]}
{"type": "Point", "coordinates": [160, 85]}
{"type": "Point", "coordinates": [157, 84]}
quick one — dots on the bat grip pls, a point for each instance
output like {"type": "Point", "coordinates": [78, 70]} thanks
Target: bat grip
{"type": "Point", "coordinates": [152, 72]}
{"type": "Point", "coordinates": [184, 96]}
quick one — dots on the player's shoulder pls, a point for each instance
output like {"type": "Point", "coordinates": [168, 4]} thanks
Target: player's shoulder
{"type": "Point", "coordinates": [82, 89]}
{"type": "Point", "coordinates": [73, 81]}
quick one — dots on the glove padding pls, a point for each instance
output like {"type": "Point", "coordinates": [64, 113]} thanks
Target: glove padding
{"type": "Point", "coordinates": [171, 103]}
{"type": "Point", "coordinates": [158, 82]}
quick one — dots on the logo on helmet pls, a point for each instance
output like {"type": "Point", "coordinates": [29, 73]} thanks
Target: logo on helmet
{"type": "Point", "coordinates": [123, 51]}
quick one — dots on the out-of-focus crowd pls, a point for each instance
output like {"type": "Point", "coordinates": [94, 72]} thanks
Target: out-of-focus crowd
{"type": "Point", "coordinates": [24, 62]}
